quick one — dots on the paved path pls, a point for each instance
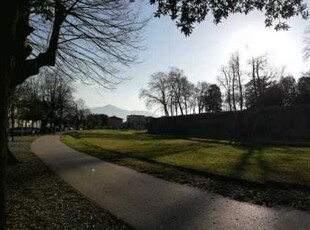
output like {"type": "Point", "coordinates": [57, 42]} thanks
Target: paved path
{"type": "Point", "coordinates": [145, 202]}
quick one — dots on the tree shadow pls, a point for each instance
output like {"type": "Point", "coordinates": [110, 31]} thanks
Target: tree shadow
{"type": "Point", "coordinates": [256, 155]}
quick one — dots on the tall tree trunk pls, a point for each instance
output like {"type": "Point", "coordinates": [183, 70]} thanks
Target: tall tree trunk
{"type": "Point", "coordinates": [12, 117]}
{"type": "Point", "coordinates": [180, 106]}
{"type": "Point", "coordinates": [11, 159]}
{"type": "Point", "coordinates": [4, 93]}
{"type": "Point", "coordinates": [233, 90]}
{"type": "Point", "coordinates": [176, 108]}
{"type": "Point", "coordinates": [254, 79]}
{"type": "Point", "coordinates": [258, 81]}
{"type": "Point", "coordinates": [185, 106]}
{"type": "Point", "coordinates": [166, 109]}
{"type": "Point", "coordinates": [9, 16]}
{"type": "Point", "coordinates": [229, 100]}
{"type": "Point", "coordinates": [240, 91]}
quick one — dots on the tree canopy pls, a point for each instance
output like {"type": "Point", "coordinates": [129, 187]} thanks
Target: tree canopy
{"type": "Point", "coordinates": [186, 13]}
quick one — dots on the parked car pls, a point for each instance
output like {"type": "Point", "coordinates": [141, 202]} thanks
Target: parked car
{"type": "Point", "coordinates": [19, 131]}
{"type": "Point", "coordinates": [36, 130]}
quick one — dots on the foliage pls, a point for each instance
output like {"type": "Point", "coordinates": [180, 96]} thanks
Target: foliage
{"type": "Point", "coordinates": [188, 12]}
{"type": "Point", "coordinates": [289, 90]}
{"type": "Point", "coordinates": [303, 89]}
{"type": "Point", "coordinates": [213, 99]}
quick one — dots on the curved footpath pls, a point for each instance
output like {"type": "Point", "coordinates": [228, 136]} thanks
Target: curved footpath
{"type": "Point", "coordinates": [146, 202]}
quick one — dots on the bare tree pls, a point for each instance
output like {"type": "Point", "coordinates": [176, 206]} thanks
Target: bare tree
{"type": "Point", "coordinates": [186, 94]}
{"type": "Point", "coordinates": [56, 95]}
{"type": "Point", "coordinates": [178, 84]}
{"type": "Point", "coordinates": [89, 38]}
{"type": "Point", "coordinates": [263, 76]}
{"type": "Point", "coordinates": [201, 92]}
{"type": "Point", "coordinates": [81, 114]}
{"type": "Point", "coordinates": [192, 100]}
{"type": "Point", "coordinates": [237, 87]}
{"type": "Point", "coordinates": [157, 92]}
{"type": "Point", "coordinates": [230, 79]}
{"type": "Point", "coordinates": [306, 40]}
{"type": "Point", "coordinates": [259, 66]}
{"type": "Point", "coordinates": [225, 79]}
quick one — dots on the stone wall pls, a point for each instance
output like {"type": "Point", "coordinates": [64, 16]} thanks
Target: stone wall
{"type": "Point", "coordinates": [264, 124]}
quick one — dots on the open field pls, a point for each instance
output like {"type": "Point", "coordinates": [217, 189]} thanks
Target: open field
{"type": "Point", "coordinates": [260, 164]}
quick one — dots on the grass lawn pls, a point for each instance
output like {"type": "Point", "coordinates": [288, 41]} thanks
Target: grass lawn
{"type": "Point", "coordinates": [252, 163]}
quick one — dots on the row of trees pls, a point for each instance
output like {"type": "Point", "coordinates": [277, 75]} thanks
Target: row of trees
{"type": "Point", "coordinates": [175, 94]}
{"type": "Point", "coordinates": [266, 85]}
{"type": "Point", "coordinates": [50, 100]}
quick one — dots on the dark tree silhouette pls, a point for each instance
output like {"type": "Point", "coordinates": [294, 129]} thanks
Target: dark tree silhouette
{"type": "Point", "coordinates": [272, 96]}
{"type": "Point", "coordinates": [289, 87]}
{"type": "Point", "coordinates": [89, 39]}
{"type": "Point", "coordinates": [180, 90]}
{"type": "Point", "coordinates": [235, 66]}
{"type": "Point", "coordinates": [225, 79]}
{"type": "Point", "coordinates": [262, 77]}
{"type": "Point", "coordinates": [200, 94]}
{"type": "Point", "coordinates": [213, 99]}
{"type": "Point", "coordinates": [303, 90]}
{"type": "Point", "coordinates": [230, 79]}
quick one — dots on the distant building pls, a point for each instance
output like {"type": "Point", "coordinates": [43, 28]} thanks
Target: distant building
{"type": "Point", "coordinates": [115, 122]}
{"type": "Point", "coordinates": [138, 122]}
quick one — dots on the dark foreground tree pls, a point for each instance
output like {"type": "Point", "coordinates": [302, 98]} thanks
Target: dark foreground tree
{"type": "Point", "coordinates": [83, 38]}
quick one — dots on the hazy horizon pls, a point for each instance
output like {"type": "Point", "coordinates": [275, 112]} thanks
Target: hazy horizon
{"type": "Point", "coordinates": [201, 55]}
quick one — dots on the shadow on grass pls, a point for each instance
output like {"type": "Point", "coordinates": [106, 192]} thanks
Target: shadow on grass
{"type": "Point", "coordinates": [121, 157]}
{"type": "Point", "coordinates": [159, 151]}
{"type": "Point", "coordinates": [141, 136]}
{"type": "Point", "coordinates": [253, 152]}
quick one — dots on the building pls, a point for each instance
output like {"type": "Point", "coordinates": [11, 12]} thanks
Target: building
{"type": "Point", "coordinates": [138, 122]}
{"type": "Point", "coordinates": [115, 122]}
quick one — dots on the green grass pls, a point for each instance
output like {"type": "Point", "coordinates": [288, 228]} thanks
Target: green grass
{"type": "Point", "coordinates": [252, 163]}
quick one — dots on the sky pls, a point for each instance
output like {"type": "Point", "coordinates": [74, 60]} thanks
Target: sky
{"type": "Point", "coordinates": [201, 55]}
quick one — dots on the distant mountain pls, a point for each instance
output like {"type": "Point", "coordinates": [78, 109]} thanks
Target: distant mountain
{"type": "Point", "coordinates": [112, 110]}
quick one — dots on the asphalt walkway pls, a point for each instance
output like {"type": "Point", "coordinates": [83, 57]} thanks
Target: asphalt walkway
{"type": "Point", "coordinates": [146, 202]}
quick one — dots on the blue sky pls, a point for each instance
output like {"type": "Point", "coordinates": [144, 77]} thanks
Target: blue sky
{"type": "Point", "coordinates": [202, 54]}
